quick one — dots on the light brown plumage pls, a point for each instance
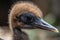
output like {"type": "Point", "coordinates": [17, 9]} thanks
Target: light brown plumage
{"type": "Point", "coordinates": [21, 7]}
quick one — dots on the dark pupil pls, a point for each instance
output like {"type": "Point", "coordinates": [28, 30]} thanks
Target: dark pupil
{"type": "Point", "coordinates": [29, 19]}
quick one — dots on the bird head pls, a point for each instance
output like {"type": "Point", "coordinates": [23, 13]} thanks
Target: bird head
{"type": "Point", "coordinates": [26, 15]}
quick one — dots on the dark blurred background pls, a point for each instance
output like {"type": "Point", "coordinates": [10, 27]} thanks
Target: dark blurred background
{"type": "Point", "coordinates": [3, 12]}
{"type": "Point", "coordinates": [50, 9]}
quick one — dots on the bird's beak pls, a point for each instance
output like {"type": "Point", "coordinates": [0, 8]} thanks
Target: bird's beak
{"type": "Point", "coordinates": [40, 23]}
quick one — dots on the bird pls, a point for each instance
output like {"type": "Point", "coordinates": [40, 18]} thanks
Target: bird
{"type": "Point", "coordinates": [24, 15]}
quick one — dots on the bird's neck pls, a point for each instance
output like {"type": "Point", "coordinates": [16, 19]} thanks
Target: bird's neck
{"type": "Point", "coordinates": [19, 34]}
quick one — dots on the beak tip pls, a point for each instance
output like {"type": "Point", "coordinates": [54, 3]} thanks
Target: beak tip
{"type": "Point", "coordinates": [56, 30]}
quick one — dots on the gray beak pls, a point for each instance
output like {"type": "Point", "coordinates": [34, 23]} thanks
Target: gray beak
{"type": "Point", "coordinates": [41, 24]}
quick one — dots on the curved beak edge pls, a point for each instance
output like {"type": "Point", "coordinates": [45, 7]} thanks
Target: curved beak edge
{"type": "Point", "coordinates": [46, 26]}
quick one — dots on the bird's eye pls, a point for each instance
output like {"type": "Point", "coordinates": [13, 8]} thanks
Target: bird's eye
{"type": "Point", "coordinates": [26, 18]}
